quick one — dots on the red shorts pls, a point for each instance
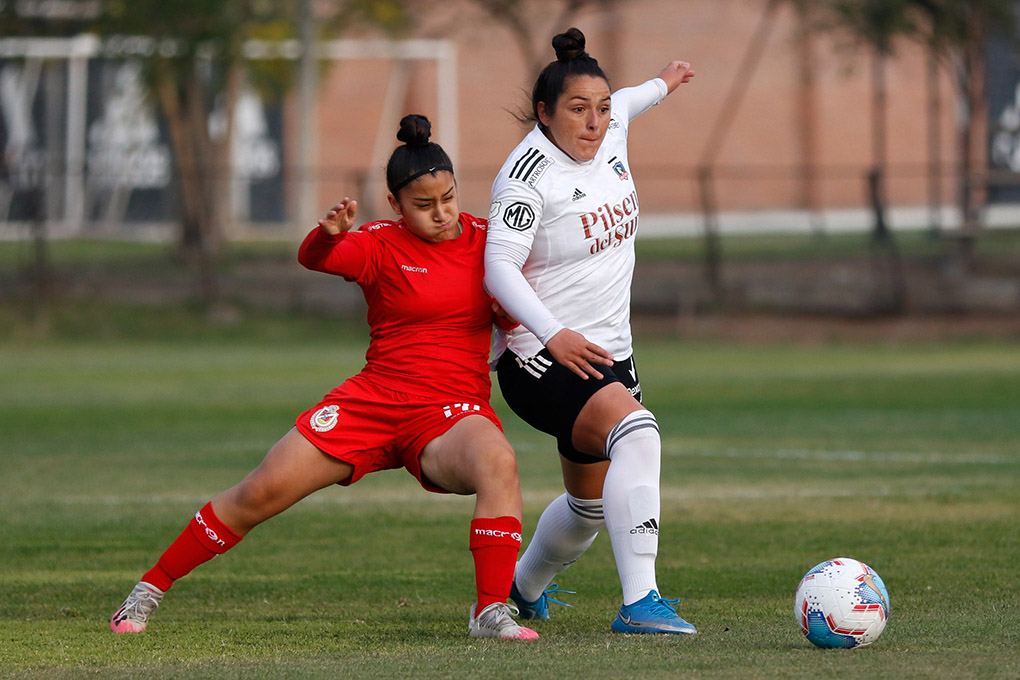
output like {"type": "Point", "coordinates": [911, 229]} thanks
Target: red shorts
{"type": "Point", "coordinates": [375, 428]}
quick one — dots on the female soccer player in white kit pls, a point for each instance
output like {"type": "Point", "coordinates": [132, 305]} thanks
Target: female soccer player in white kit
{"type": "Point", "coordinates": [560, 259]}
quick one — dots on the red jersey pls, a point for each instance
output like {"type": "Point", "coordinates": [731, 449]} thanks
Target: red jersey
{"type": "Point", "coordinates": [429, 315]}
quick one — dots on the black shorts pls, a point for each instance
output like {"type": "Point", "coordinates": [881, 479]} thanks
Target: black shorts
{"type": "Point", "coordinates": [549, 396]}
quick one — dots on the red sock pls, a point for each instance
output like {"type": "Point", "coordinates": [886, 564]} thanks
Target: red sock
{"type": "Point", "coordinates": [204, 538]}
{"type": "Point", "coordinates": [495, 542]}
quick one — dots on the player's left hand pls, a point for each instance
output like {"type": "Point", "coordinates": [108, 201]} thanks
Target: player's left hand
{"type": "Point", "coordinates": [503, 318]}
{"type": "Point", "coordinates": [676, 73]}
{"type": "Point", "coordinates": [573, 350]}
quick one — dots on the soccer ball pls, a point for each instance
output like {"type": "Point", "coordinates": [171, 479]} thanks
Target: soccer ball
{"type": "Point", "coordinates": [841, 603]}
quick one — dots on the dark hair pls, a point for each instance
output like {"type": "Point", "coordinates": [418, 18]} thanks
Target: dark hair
{"type": "Point", "coordinates": [571, 60]}
{"type": "Point", "coordinates": [417, 156]}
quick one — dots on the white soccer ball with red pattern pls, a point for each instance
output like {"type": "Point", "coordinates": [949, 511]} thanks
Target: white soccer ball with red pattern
{"type": "Point", "coordinates": [842, 603]}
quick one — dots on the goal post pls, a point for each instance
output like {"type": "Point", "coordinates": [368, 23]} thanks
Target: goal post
{"type": "Point", "coordinates": [73, 149]}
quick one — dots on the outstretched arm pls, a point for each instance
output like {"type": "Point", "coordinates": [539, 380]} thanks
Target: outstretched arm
{"type": "Point", "coordinates": [326, 249]}
{"type": "Point", "coordinates": [631, 102]}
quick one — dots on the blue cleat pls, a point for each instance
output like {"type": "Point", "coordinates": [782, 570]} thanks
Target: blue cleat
{"type": "Point", "coordinates": [539, 609]}
{"type": "Point", "coordinates": [651, 614]}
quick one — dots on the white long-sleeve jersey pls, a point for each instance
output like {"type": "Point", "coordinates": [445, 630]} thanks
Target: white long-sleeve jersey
{"type": "Point", "coordinates": [560, 248]}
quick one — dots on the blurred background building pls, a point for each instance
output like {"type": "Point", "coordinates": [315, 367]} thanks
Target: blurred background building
{"type": "Point", "coordinates": [787, 125]}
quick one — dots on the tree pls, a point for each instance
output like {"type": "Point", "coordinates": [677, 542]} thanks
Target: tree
{"type": "Point", "coordinates": [533, 27]}
{"type": "Point", "coordinates": [198, 61]}
{"type": "Point", "coordinates": [196, 57]}
{"type": "Point", "coordinates": [956, 31]}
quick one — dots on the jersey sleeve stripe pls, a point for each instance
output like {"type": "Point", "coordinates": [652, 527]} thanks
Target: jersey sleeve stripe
{"type": "Point", "coordinates": [538, 159]}
{"type": "Point", "coordinates": [523, 167]}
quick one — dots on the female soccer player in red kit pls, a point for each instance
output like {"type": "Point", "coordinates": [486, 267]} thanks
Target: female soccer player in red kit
{"type": "Point", "coordinates": [421, 402]}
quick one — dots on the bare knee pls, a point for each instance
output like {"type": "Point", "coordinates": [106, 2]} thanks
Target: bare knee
{"type": "Point", "coordinates": [473, 457]}
{"type": "Point", "coordinates": [598, 417]}
{"type": "Point", "coordinates": [496, 483]}
{"type": "Point", "coordinates": [254, 493]}
{"type": "Point", "coordinates": [247, 504]}
{"type": "Point", "coordinates": [498, 463]}
{"type": "Point", "coordinates": [584, 480]}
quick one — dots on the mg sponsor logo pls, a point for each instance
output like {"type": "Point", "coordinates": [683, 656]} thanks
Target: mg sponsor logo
{"type": "Point", "coordinates": [519, 216]}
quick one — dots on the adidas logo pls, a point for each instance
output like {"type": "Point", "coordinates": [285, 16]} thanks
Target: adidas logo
{"type": "Point", "coordinates": [578, 195]}
{"type": "Point", "coordinates": [649, 526]}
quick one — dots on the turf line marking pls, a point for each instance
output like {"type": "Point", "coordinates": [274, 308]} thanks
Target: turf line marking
{"type": "Point", "coordinates": [749, 493]}
{"type": "Point", "coordinates": [876, 456]}
{"type": "Point", "coordinates": [531, 498]}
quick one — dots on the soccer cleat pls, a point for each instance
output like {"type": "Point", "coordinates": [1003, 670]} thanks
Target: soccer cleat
{"type": "Point", "coordinates": [494, 622]}
{"type": "Point", "coordinates": [651, 614]}
{"type": "Point", "coordinates": [539, 609]}
{"type": "Point", "coordinates": [133, 615]}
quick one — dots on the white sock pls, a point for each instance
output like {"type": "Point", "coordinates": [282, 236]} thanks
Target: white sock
{"type": "Point", "coordinates": [566, 528]}
{"type": "Point", "coordinates": [631, 501]}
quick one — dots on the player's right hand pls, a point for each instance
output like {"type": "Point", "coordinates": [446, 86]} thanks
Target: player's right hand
{"type": "Point", "coordinates": [340, 218]}
{"type": "Point", "coordinates": [571, 349]}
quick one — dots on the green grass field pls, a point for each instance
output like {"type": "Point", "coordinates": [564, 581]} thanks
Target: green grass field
{"type": "Point", "coordinates": [775, 457]}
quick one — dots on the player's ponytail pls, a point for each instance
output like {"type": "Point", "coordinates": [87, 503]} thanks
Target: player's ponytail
{"type": "Point", "coordinates": [417, 156]}
{"type": "Point", "coordinates": [571, 60]}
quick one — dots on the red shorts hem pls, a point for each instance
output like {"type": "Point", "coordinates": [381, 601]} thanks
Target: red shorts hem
{"type": "Point", "coordinates": [372, 428]}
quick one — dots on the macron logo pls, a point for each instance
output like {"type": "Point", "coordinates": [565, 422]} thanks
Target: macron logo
{"type": "Point", "coordinates": [212, 535]}
{"type": "Point", "coordinates": [495, 533]}
{"type": "Point", "coordinates": [416, 270]}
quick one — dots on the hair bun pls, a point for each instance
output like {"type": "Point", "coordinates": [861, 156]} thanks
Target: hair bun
{"type": "Point", "coordinates": [569, 45]}
{"type": "Point", "coordinates": [415, 130]}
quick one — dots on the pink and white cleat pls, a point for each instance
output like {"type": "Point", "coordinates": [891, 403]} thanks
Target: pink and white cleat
{"type": "Point", "coordinates": [133, 615]}
{"type": "Point", "coordinates": [494, 622]}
